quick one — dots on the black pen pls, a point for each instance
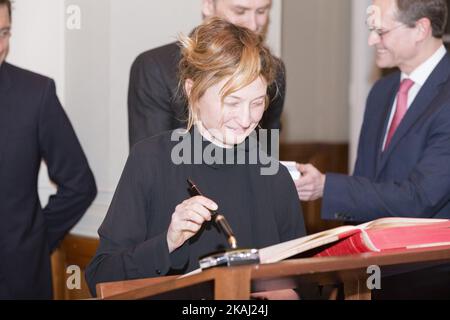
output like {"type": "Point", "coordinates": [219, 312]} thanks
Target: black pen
{"type": "Point", "coordinates": [217, 218]}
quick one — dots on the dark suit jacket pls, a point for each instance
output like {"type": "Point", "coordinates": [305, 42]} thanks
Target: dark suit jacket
{"type": "Point", "coordinates": [412, 177]}
{"type": "Point", "coordinates": [154, 103]}
{"type": "Point", "coordinates": [34, 127]}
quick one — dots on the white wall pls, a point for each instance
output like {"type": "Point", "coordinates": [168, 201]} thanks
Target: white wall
{"type": "Point", "coordinates": [361, 78]}
{"type": "Point", "coordinates": [330, 70]}
{"type": "Point", "coordinates": [316, 51]}
{"type": "Point", "coordinates": [275, 35]}
{"type": "Point", "coordinates": [91, 68]}
{"type": "Point", "coordinates": [37, 43]}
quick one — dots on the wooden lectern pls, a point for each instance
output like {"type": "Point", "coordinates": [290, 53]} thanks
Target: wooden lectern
{"type": "Point", "coordinates": [236, 283]}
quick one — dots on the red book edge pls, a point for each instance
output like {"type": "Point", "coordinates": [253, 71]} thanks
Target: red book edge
{"type": "Point", "coordinates": [349, 243]}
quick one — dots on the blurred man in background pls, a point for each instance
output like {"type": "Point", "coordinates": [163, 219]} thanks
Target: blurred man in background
{"type": "Point", "coordinates": [153, 103]}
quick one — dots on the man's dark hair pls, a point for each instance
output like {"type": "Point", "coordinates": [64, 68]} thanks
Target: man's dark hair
{"type": "Point", "coordinates": [6, 3]}
{"type": "Point", "coordinates": [411, 11]}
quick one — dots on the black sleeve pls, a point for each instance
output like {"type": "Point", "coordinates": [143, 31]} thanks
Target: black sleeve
{"type": "Point", "coordinates": [290, 220]}
{"type": "Point", "coordinates": [126, 249]}
{"type": "Point", "coordinates": [277, 93]}
{"type": "Point", "coordinates": [149, 100]}
{"type": "Point", "coordinates": [67, 168]}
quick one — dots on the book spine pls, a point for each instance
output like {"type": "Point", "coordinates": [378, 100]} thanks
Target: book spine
{"type": "Point", "coordinates": [351, 245]}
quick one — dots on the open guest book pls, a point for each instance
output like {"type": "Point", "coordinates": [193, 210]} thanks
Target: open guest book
{"type": "Point", "coordinates": [377, 236]}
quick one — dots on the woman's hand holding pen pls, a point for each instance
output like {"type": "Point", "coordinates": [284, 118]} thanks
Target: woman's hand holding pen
{"type": "Point", "coordinates": [188, 219]}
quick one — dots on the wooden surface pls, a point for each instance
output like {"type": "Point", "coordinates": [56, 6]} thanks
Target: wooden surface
{"type": "Point", "coordinates": [238, 282]}
{"type": "Point", "coordinates": [114, 288]}
{"type": "Point", "coordinates": [74, 250]}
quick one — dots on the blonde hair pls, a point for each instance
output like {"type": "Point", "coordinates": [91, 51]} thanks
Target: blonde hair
{"type": "Point", "coordinates": [216, 50]}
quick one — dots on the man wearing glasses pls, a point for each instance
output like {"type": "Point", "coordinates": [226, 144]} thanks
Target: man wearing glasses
{"type": "Point", "coordinates": [153, 102]}
{"type": "Point", "coordinates": [403, 162]}
{"type": "Point", "coordinates": [34, 127]}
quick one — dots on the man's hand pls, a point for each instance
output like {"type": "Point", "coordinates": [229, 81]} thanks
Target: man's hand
{"type": "Point", "coordinates": [311, 183]}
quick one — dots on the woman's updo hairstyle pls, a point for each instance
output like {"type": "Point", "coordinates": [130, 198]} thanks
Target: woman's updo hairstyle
{"type": "Point", "coordinates": [216, 50]}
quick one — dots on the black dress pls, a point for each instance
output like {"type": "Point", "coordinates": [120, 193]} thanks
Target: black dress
{"type": "Point", "coordinates": [261, 209]}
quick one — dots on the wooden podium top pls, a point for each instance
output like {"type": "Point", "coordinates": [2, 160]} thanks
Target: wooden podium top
{"type": "Point", "coordinates": [238, 282]}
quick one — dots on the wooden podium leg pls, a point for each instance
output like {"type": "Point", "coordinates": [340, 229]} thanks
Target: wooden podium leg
{"type": "Point", "coordinates": [357, 290]}
{"type": "Point", "coordinates": [233, 284]}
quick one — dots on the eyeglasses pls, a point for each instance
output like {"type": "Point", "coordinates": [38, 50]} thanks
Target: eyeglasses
{"type": "Point", "coordinates": [381, 32]}
{"type": "Point", "coordinates": [5, 33]}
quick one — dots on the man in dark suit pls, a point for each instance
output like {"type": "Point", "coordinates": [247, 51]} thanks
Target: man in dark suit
{"type": "Point", "coordinates": [34, 127]}
{"type": "Point", "coordinates": [401, 170]}
{"type": "Point", "coordinates": [403, 162]}
{"type": "Point", "coordinates": [153, 103]}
